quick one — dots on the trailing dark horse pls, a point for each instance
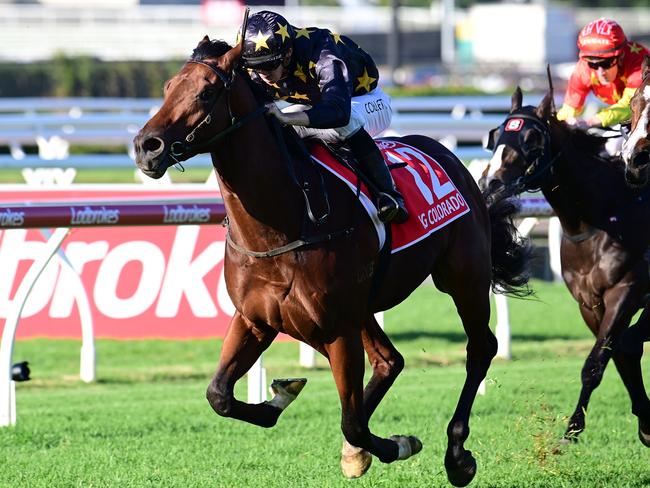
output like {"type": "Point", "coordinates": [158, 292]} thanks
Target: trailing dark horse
{"type": "Point", "coordinates": [606, 233]}
{"type": "Point", "coordinates": [636, 148]}
{"type": "Point", "coordinates": [314, 281]}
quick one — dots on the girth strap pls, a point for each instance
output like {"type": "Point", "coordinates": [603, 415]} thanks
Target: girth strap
{"type": "Point", "coordinates": [298, 243]}
{"type": "Point", "coordinates": [582, 236]}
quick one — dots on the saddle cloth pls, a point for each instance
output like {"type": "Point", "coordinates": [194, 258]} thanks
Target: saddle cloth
{"type": "Point", "coordinates": [432, 199]}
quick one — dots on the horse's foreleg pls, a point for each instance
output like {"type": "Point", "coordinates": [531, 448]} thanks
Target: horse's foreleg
{"type": "Point", "coordinates": [387, 363]}
{"type": "Point", "coordinates": [627, 357]}
{"type": "Point", "coordinates": [620, 305]}
{"type": "Point", "coordinates": [346, 360]}
{"type": "Point", "coordinates": [473, 305]}
{"type": "Point", "coordinates": [242, 346]}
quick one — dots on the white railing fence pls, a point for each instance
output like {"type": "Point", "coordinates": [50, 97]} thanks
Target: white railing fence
{"type": "Point", "coordinates": [53, 125]}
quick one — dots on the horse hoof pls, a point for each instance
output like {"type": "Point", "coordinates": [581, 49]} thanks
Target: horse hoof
{"type": "Point", "coordinates": [354, 460]}
{"type": "Point", "coordinates": [644, 434]}
{"type": "Point", "coordinates": [570, 437]}
{"type": "Point", "coordinates": [292, 386]}
{"type": "Point", "coordinates": [408, 445]}
{"type": "Point", "coordinates": [285, 391]}
{"type": "Point", "coordinates": [461, 474]}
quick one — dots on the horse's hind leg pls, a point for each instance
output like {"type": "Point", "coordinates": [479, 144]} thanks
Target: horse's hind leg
{"type": "Point", "coordinates": [627, 357]}
{"type": "Point", "coordinates": [471, 296]}
{"type": "Point", "coordinates": [620, 304]}
{"type": "Point", "coordinates": [387, 363]}
{"type": "Point", "coordinates": [345, 355]}
{"type": "Point", "coordinates": [242, 346]}
{"type": "Point", "coordinates": [577, 420]}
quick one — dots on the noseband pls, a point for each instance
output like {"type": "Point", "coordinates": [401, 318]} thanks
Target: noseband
{"type": "Point", "coordinates": [188, 147]}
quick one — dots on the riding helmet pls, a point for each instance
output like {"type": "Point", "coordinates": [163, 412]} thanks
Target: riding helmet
{"type": "Point", "coordinates": [601, 38]}
{"type": "Point", "coordinates": [267, 38]}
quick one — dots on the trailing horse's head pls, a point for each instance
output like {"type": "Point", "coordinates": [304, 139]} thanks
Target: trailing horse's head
{"type": "Point", "coordinates": [636, 149]}
{"type": "Point", "coordinates": [520, 148]}
{"type": "Point", "coordinates": [196, 106]}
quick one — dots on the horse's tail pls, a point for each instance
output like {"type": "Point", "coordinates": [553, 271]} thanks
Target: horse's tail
{"type": "Point", "coordinates": [510, 252]}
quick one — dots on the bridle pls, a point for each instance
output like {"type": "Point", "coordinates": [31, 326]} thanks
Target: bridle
{"type": "Point", "coordinates": [532, 179]}
{"type": "Point", "coordinates": [189, 147]}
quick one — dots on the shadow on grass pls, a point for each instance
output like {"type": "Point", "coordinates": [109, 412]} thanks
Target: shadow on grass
{"type": "Point", "coordinates": [460, 337]}
{"type": "Point", "coordinates": [127, 378]}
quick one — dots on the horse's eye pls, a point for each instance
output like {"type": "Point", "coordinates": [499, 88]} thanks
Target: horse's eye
{"type": "Point", "coordinates": [206, 94]}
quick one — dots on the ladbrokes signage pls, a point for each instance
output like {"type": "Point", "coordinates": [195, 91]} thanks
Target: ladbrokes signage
{"type": "Point", "coordinates": [139, 281]}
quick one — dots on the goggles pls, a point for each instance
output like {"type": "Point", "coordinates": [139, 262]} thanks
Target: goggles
{"type": "Point", "coordinates": [264, 63]}
{"type": "Point", "coordinates": [604, 63]}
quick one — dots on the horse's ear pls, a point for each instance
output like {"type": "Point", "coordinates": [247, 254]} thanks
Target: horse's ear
{"type": "Point", "coordinates": [645, 67]}
{"type": "Point", "coordinates": [516, 100]}
{"type": "Point", "coordinates": [203, 41]}
{"type": "Point", "coordinates": [545, 107]}
{"type": "Point", "coordinates": [231, 58]}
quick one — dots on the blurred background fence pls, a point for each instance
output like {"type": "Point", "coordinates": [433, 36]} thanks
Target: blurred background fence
{"type": "Point", "coordinates": [40, 131]}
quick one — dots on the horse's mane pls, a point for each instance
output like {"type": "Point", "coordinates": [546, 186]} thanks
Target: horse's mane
{"type": "Point", "coordinates": [213, 49]}
{"type": "Point", "coordinates": [217, 48]}
{"type": "Point", "coordinates": [591, 145]}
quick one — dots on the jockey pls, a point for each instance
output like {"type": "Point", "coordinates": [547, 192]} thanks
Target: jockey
{"type": "Point", "coordinates": [332, 83]}
{"type": "Point", "coordinates": [610, 66]}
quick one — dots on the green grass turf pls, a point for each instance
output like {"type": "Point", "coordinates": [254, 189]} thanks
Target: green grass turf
{"type": "Point", "coordinates": [146, 421]}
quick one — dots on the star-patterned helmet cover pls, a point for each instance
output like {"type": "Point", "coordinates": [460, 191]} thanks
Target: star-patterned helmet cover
{"type": "Point", "coordinates": [268, 37]}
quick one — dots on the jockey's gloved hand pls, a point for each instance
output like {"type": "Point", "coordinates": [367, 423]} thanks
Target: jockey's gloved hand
{"type": "Point", "coordinates": [289, 118]}
{"type": "Point", "coordinates": [580, 123]}
{"type": "Point", "coordinates": [273, 110]}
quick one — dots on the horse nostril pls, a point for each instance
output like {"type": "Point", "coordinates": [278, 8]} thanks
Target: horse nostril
{"type": "Point", "coordinates": [153, 144]}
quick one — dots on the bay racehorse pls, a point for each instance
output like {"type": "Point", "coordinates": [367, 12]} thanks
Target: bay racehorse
{"type": "Point", "coordinates": [289, 269]}
{"type": "Point", "coordinates": [605, 236]}
{"type": "Point", "coordinates": [636, 148]}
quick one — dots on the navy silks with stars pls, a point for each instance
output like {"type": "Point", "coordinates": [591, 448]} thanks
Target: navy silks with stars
{"type": "Point", "coordinates": [326, 70]}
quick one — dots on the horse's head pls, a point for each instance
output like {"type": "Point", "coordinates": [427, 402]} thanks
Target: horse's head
{"type": "Point", "coordinates": [636, 149]}
{"type": "Point", "coordinates": [196, 106]}
{"type": "Point", "coordinates": [520, 148]}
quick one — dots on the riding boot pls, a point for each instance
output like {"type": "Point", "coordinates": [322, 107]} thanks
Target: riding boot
{"type": "Point", "coordinates": [390, 204]}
